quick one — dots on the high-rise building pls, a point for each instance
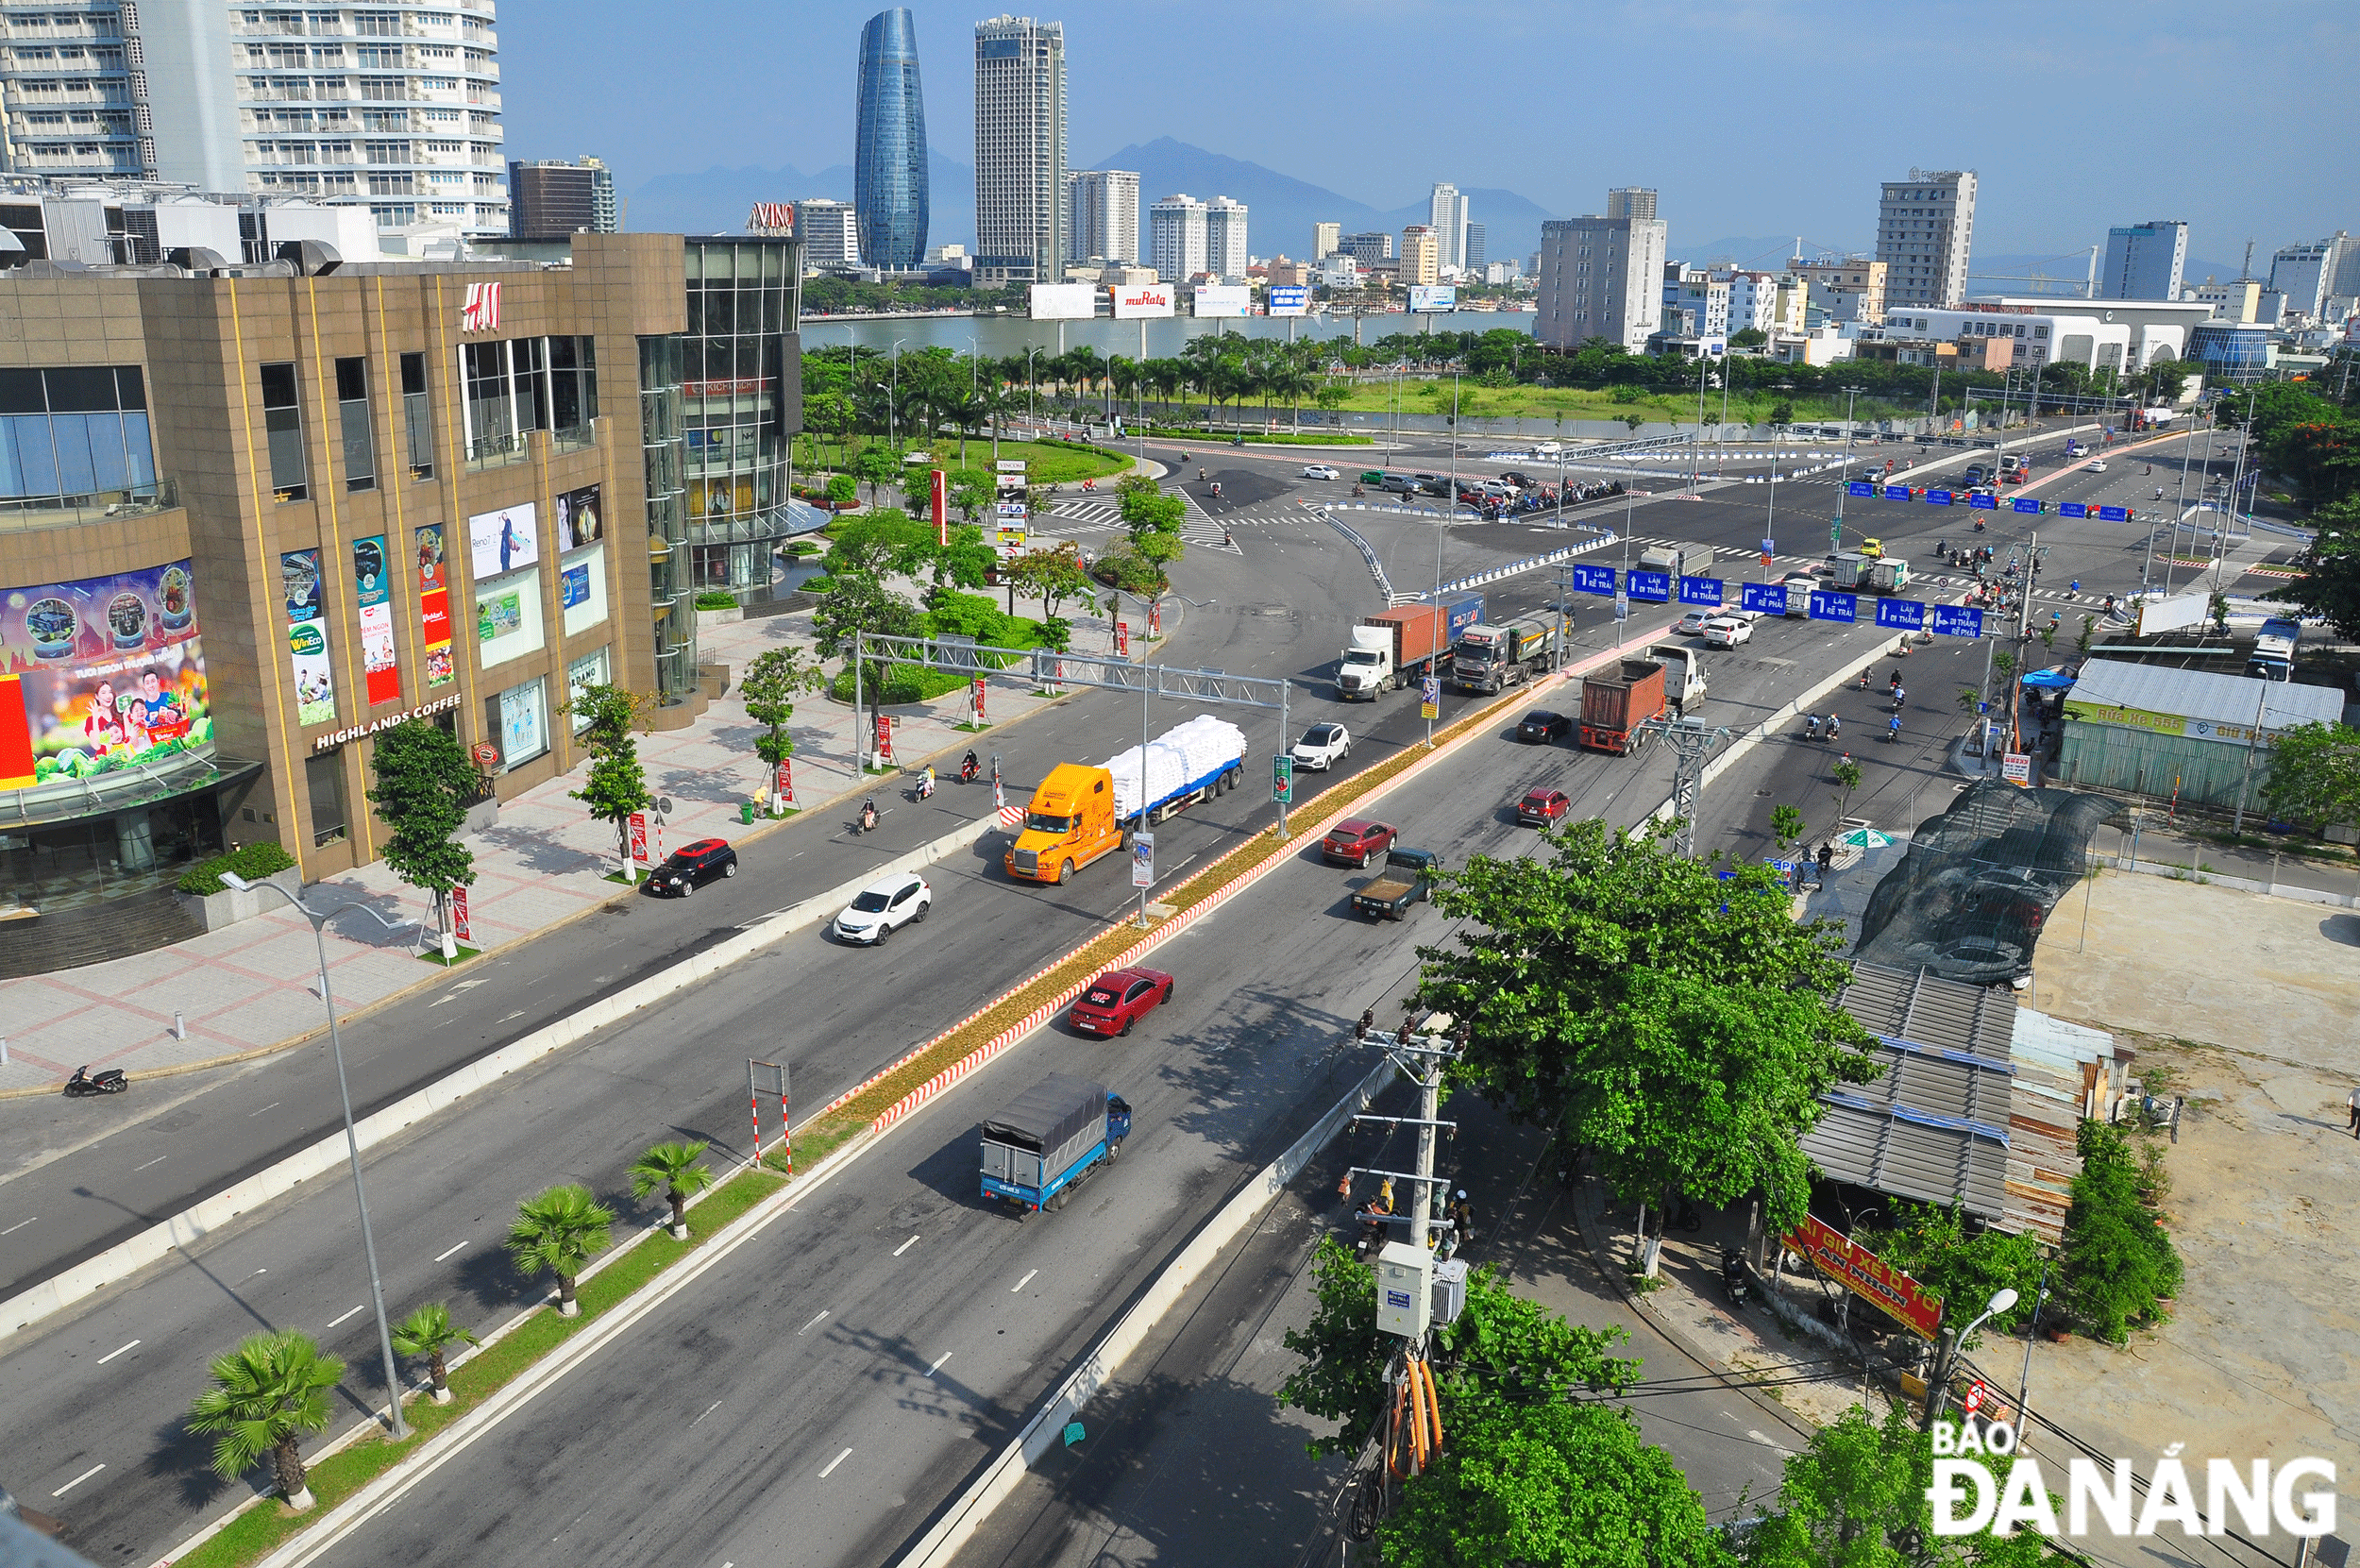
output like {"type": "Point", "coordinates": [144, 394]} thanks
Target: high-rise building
{"type": "Point", "coordinates": [1103, 215]}
{"type": "Point", "coordinates": [1925, 227]}
{"type": "Point", "coordinates": [1852, 289]}
{"type": "Point", "coordinates": [830, 231]}
{"type": "Point", "coordinates": [1176, 238]}
{"type": "Point", "coordinates": [1472, 257]}
{"type": "Point", "coordinates": [1019, 151]}
{"type": "Point", "coordinates": [2307, 274]}
{"type": "Point", "coordinates": [1224, 238]}
{"type": "Point", "coordinates": [1631, 201]}
{"type": "Point", "coordinates": [2144, 261]}
{"type": "Point", "coordinates": [1327, 238]}
{"type": "Point", "coordinates": [889, 143]}
{"type": "Point", "coordinates": [1446, 214]}
{"type": "Point", "coordinates": [1601, 277]}
{"type": "Point", "coordinates": [1421, 255]}
{"type": "Point", "coordinates": [550, 199]}
{"type": "Point", "coordinates": [2238, 300]}
{"type": "Point", "coordinates": [1367, 247]}
{"type": "Point", "coordinates": [396, 108]}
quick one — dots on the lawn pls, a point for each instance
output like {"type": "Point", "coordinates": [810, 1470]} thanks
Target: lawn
{"type": "Point", "coordinates": [1046, 462]}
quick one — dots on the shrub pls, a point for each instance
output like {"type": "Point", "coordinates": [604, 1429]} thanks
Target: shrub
{"type": "Point", "coordinates": [1935, 1247]}
{"type": "Point", "coordinates": [253, 863]}
{"type": "Point", "coordinates": [2118, 1261]}
{"type": "Point", "coordinates": [820, 584]}
{"type": "Point", "coordinates": [1124, 567]}
{"type": "Point", "coordinates": [715, 598]}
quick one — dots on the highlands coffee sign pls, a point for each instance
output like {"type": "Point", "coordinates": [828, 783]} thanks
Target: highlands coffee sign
{"type": "Point", "coordinates": [337, 737]}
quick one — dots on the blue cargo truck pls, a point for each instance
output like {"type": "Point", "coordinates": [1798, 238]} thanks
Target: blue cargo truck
{"type": "Point", "coordinates": [1056, 1135]}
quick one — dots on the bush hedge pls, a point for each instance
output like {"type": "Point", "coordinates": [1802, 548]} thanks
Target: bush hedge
{"type": "Point", "coordinates": [253, 863]}
{"type": "Point", "coordinates": [715, 598]}
{"type": "Point", "coordinates": [2120, 1262]}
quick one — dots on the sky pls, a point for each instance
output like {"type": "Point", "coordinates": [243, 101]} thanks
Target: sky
{"type": "Point", "coordinates": [1752, 117]}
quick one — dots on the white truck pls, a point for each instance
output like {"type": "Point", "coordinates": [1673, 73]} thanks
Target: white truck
{"type": "Point", "coordinates": [1683, 675]}
{"type": "Point", "coordinates": [1679, 560]}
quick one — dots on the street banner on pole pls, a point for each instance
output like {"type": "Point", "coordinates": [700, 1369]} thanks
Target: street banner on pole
{"type": "Point", "coordinates": [977, 687]}
{"type": "Point", "coordinates": [638, 837]}
{"type": "Point", "coordinates": [1282, 779]}
{"type": "Point", "coordinates": [1122, 639]}
{"type": "Point", "coordinates": [784, 795]}
{"type": "Point", "coordinates": [885, 739]}
{"type": "Point", "coordinates": [1142, 860]}
{"type": "Point", "coordinates": [1430, 697]}
{"type": "Point", "coordinates": [458, 925]}
{"type": "Point", "coordinates": [937, 500]}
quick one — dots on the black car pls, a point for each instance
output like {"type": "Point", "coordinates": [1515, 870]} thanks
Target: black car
{"type": "Point", "coordinates": [1543, 728]}
{"type": "Point", "coordinates": [694, 862]}
{"type": "Point", "coordinates": [1516, 477]}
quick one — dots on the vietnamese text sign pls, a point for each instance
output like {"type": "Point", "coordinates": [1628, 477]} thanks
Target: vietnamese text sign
{"type": "Point", "coordinates": [638, 836]}
{"type": "Point", "coordinates": [2017, 768]}
{"type": "Point", "coordinates": [1860, 487]}
{"type": "Point", "coordinates": [1900, 615]}
{"type": "Point", "coordinates": [1768, 598]}
{"type": "Point", "coordinates": [1593, 580]}
{"type": "Point", "coordinates": [1286, 299]}
{"type": "Point", "coordinates": [2024, 503]}
{"type": "Point", "coordinates": [1897, 492]}
{"type": "Point", "coordinates": [460, 926]}
{"type": "Point", "coordinates": [372, 592]}
{"type": "Point", "coordinates": [2072, 509]}
{"type": "Point", "coordinates": [1223, 300]}
{"type": "Point", "coordinates": [1956, 620]}
{"type": "Point", "coordinates": [1982, 502]}
{"type": "Point", "coordinates": [1701, 590]}
{"type": "Point", "coordinates": [1827, 606]}
{"type": "Point", "coordinates": [1937, 498]}
{"type": "Point", "coordinates": [1867, 1275]}
{"type": "Point", "coordinates": [1653, 587]}
{"type": "Point", "coordinates": [2114, 513]}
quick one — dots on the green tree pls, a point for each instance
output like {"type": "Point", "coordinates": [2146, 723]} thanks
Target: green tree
{"type": "Point", "coordinates": [679, 1170]}
{"type": "Point", "coordinates": [875, 466]}
{"type": "Point", "coordinates": [2314, 775]}
{"type": "Point", "coordinates": [266, 1394]}
{"type": "Point", "coordinates": [429, 1332]}
{"type": "Point", "coordinates": [424, 781]}
{"type": "Point", "coordinates": [2329, 584]}
{"type": "Point", "coordinates": [1051, 576]}
{"type": "Point", "coordinates": [972, 490]}
{"type": "Point", "coordinates": [1782, 413]}
{"type": "Point", "coordinates": [559, 1232]}
{"type": "Point", "coordinates": [1786, 826]}
{"type": "Point", "coordinates": [1848, 774]}
{"type": "Point", "coordinates": [1681, 1025]}
{"type": "Point", "coordinates": [1751, 337]}
{"type": "Point", "coordinates": [616, 784]}
{"type": "Point", "coordinates": [1855, 1497]}
{"type": "Point", "coordinates": [1963, 1267]}
{"type": "Point", "coordinates": [843, 490]}
{"type": "Point", "coordinates": [768, 689]}
{"type": "Point", "coordinates": [2118, 1262]}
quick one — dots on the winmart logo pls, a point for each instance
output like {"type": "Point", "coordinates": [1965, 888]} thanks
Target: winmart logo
{"type": "Point", "coordinates": [1963, 1479]}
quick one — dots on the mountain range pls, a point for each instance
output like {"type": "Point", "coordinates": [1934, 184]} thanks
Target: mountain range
{"type": "Point", "coordinates": [716, 200]}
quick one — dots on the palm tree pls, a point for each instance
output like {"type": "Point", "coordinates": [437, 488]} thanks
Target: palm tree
{"type": "Point", "coordinates": [1293, 382]}
{"type": "Point", "coordinates": [266, 1394]}
{"type": "Point", "coordinates": [678, 1169]}
{"type": "Point", "coordinates": [560, 1231]}
{"type": "Point", "coordinates": [429, 1332]}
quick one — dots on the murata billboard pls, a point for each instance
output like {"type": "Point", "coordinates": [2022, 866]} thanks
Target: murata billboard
{"type": "Point", "coordinates": [1064, 301]}
{"type": "Point", "coordinates": [1135, 300]}
{"type": "Point", "coordinates": [1223, 300]}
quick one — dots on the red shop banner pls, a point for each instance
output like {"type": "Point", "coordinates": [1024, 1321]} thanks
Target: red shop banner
{"type": "Point", "coordinates": [1866, 1275]}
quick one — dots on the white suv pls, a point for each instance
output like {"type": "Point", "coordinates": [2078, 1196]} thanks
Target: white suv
{"type": "Point", "coordinates": [1322, 746]}
{"type": "Point", "coordinates": [883, 907]}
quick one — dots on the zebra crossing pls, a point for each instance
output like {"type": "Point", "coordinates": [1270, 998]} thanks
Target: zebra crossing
{"type": "Point", "coordinates": [1090, 514]}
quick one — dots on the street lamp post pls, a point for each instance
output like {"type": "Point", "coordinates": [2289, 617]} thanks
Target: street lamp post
{"type": "Point", "coordinates": [892, 391]}
{"type": "Point", "coordinates": [352, 1141]}
{"type": "Point", "coordinates": [1938, 1388]}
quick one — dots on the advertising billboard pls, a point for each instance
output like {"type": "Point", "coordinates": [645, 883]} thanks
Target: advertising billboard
{"type": "Point", "coordinates": [373, 584]}
{"type": "Point", "coordinates": [503, 541]}
{"type": "Point", "coordinates": [1135, 301]}
{"type": "Point", "coordinates": [1064, 301]}
{"type": "Point", "coordinates": [1223, 300]}
{"type": "Point", "coordinates": [1433, 296]}
{"type": "Point", "coordinates": [109, 672]}
{"type": "Point", "coordinates": [2158, 614]}
{"type": "Point", "coordinates": [1286, 299]}
{"type": "Point", "coordinates": [577, 520]}
{"type": "Point", "coordinates": [307, 637]}
{"type": "Point", "coordinates": [433, 607]}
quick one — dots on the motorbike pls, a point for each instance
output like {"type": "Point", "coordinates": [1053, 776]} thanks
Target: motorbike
{"type": "Point", "coordinates": [109, 1081]}
{"type": "Point", "coordinates": [1735, 1280]}
{"type": "Point", "coordinates": [1811, 727]}
{"type": "Point", "coordinates": [1978, 525]}
{"type": "Point", "coordinates": [1358, 492]}
{"type": "Point", "coordinates": [922, 789]}
{"type": "Point", "coordinates": [1892, 731]}
{"type": "Point", "coordinates": [967, 769]}
{"type": "Point", "coordinates": [867, 821]}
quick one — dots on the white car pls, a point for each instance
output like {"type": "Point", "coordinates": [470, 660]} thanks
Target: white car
{"type": "Point", "coordinates": [2096, 465]}
{"type": "Point", "coordinates": [1728, 631]}
{"type": "Point", "coordinates": [1320, 471]}
{"type": "Point", "coordinates": [1322, 747]}
{"type": "Point", "coordinates": [883, 907]}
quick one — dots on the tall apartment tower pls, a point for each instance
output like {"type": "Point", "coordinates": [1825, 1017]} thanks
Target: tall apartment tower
{"type": "Point", "coordinates": [2307, 274]}
{"type": "Point", "coordinates": [1224, 238]}
{"type": "Point", "coordinates": [1326, 239]}
{"type": "Point", "coordinates": [2144, 261]}
{"type": "Point", "coordinates": [396, 106]}
{"type": "Point", "coordinates": [1446, 214]}
{"type": "Point", "coordinates": [552, 199]}
{"type": "Point", "coordinates": [830, 231]}
{"type": "Point", "coordinates": [1473, 252]}
{"type": "Point", "coordinates": [1102, 214]}
{"type": "Point", "coordinates": [1925, 227]}
{"type": "Point", "coordinates": [1019, 151]}
{"type": "Point", "coordinates": [889, 143]}
{"type": "Point", "coordinates": [1631, 201]}
{"type": "Point", "coordinates": [1602, 277]}
{"type": "Point", "coordinates": [1421, 255]}
{"type": "Point", "coordinates": [1176, 238]}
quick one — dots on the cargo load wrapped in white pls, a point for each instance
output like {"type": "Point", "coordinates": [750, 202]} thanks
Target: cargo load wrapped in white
{"type": "Point", "coordinates": [1179, 761]}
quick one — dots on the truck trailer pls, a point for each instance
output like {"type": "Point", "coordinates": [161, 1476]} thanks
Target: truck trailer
{"type": "Point", "coordinates": [1615, 702]}
{"type": "Point", "coordinates": [1055, 1134]}
{"type": "Point", "coordinates": [1080, 812]}
{"type": "Point", "coordinates": [1407, 643]}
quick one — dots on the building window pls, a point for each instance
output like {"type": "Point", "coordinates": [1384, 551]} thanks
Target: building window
{"type": "Point", "coordinates": [324, 780]}
{"type": "Point", "coordinates": [519, 719]}
{"type": "Point", "coordinates": [352, 409]}
{"type": "Point", "coordinates": [416, 425]}
{"type": "Point", "coordinates": [282, 426]}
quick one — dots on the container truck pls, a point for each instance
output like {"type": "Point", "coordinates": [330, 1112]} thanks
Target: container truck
{"type": "Point", "coordinates": [1683, 675]}
{"type": "Point", "coordinates": [1858, 572]}
{"type": "Point", "coordinates": [1492, 658]}
{"type": "Point", "coordinates": [1080, 812]}
{"type": "Point", "coordinates": [1679, 560]}
{"type": "Point", "coordinates": [1615, 702]}
{"type": "Point", "coordinates": [1404, 644]}
{"type": "Point", "coordinates": [1058, 1134]}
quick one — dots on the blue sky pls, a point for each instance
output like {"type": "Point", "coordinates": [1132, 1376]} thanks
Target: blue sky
{"type": "Point", "coordinates": [1751, 116]}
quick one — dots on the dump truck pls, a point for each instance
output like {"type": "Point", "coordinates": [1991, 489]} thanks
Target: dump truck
{"type": "Point", "coordinates": [1490, 658]}
{"type": "Point", "coordinates": [1407, 643]}
{"type": "Point", "coordinates": [1054, 1136]}
{"type": "Point", "coordinates": [1616, 701]}
{"type": "Point", "coordinates": [1683, 675]}
{"type": "Point", "coordinates": [1407, 879]}
{"type": "Point", "coordinates": [1080, 812]}
{"type": "Point", "coordinates": [1856, 572]}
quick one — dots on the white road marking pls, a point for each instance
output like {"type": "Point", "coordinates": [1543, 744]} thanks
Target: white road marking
{"type": "Point", "coordinates": [454, 993]}
{"type": "Point", "coordinates": [18, 1225]}
{"type": "Point", "coordinates": [333, 1322]}
{"type": "Point", "coordinates": [513, 1017]}
{"type": "Point", "coordinates": [708, 1411]}
{"type": "Point", "coordinates": [272, 1106]}
{"type": "Point", "coordinates": [1021, 1282]}
{"type": "Point", "coordinates": [258, 1272]}
{"type": "Point", "coordinates": [447, 1252]}
{"type": "Point", "coordinates": [832, 1463]}
{"type": "Point", "coordinates": [807, 1327]}
{"type": "Point", "coordinates": [157, 1160]}
{"type": "Point", "coordinates": [112, 1354]}
{"type": "Point", "coordinates": [897, 1252]}
{"type": "Point", "coordinates": [938, 1360]}
{"type": "Point", "coordinates": [96, 1468]}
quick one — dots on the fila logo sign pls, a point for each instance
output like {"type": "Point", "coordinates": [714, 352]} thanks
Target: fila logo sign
{"type": "Point", "coordinates": [481, 310]}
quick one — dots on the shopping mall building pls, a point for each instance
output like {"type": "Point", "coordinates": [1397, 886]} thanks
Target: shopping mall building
{"type": "Point", "coordinates": [255, 508]}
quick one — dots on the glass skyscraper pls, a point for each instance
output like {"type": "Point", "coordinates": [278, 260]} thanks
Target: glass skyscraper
{"type": "Point", "coordinates": [889, 154]}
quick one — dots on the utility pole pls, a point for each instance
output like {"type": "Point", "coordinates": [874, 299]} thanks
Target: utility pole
{"type": "Point", "coordinates": [1691, 741]}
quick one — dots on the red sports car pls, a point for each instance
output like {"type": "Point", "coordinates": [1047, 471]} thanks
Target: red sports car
{"type": "Point", "coordinates": [1356, 841]}
{"type": "Point", "coordinates": [1539, 807]}
{"type": "Point", "coordinates": [1119, 999]}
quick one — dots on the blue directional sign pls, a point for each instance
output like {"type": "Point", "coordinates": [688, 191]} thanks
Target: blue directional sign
{"type": "Point", "coordinates": [2114, 513]}
{"type": "Point", "coordinates": [1593, 580]}
{"type": "Point", "coordinates": [1986, 503]}
{"type": "Point", "coordinates": [1900, 615]}
{"type": "Point", "coordinates": [1957, 620]}
{"type": "Point", "coordinates": [1827, 606]}
{"type": "Point", "coordinates": [1937, 498]}
{"type": "Point", "coordinates": [1653, 587]}
{"type": "Point", "coordinates": [2072, 509]}
{"type": "Point", "coordinates": [1700, 590]}
{"type": "Point", "coordinates": [1860, 487]}
{"type": "Point", "coordinates": [1768, 598]}
{"type": "Point", "coordinates": [2027, 503]}
{"type": "Point", "coordinates": [1897, 492]}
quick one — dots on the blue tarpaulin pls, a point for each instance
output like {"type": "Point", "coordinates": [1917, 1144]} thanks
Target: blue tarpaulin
{"type": "Point", "coordinates": [2052, 679]}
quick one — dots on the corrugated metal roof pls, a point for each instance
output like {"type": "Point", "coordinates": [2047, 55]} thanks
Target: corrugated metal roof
{"type": "Point", "coordinates": [2203, 694]}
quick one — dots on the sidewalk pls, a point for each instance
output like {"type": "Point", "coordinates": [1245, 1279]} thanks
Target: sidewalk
{"type": "Point", "coordinates": [252, 988]}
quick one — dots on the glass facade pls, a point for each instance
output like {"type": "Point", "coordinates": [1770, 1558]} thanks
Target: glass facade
{"type": "Point", "coordinates": [739, 379]}
{"type": "Point", "coordinates": [72, 434]}
{"type": "Point", "coordinates": [524, 385]}
{"type": "Point", "coordinates": [670, 600]}
{"type": "Point", "coordinates": [2231, 350]}
{"type": "Point", "coordinates": [889, 144]}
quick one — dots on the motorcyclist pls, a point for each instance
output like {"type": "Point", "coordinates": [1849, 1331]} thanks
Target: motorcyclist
{"type": "Point", "coordinates": [969, 765]}
{"type": "Point", "coordinates": [926, 783]}
{"type": "Point", "coordinates": [1835, 728]}
{"type": "Point", "coordinates": [1811, 726]}
{"type": "Point", "coordinates": [868, 815]}
{"type": "Point", "coordinates": [1900, 701]}
{"type": "Point", "coordinates": [1892, 731]}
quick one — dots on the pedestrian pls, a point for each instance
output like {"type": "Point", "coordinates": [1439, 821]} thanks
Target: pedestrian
{"type": "Point", "coordinates": [2353, 1103]}
{"type": "Point", "coordinates": [1462, 1212]}
{"type": "Point", "coordinates": [1826, 859]}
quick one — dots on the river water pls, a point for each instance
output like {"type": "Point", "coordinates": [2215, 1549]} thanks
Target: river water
{"type": "Point", "coordinates": [1003, 336]}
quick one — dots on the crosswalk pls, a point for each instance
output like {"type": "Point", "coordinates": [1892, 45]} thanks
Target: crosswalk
{"type": "Point", "coordinates": [1090, 514]}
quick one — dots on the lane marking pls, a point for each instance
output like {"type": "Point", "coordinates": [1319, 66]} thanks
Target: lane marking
{"type": "Point", "coordinates": [157, 1160]}
{"type": "Point", "coordinates": [513, 1017]}
{"type": "Point", "coordinates": [18, 1225]}
{"type": "Point", "coordinates": [938, 1360]}
{"type": "Point", "coordinates": [258, 1272]}
{"type": "Point", "coordinates": [823, 1475]}
{"type": "Point", "coordinates": [447, 1252]}
{"type": "Point", "coordinates": [272, 1106]}
{"type": "Point", "coordinates": [333, 1322]}
{"type": "Point", "coordinates": [813, 1324]}
{"type": "Point", "coordinates": [708, 1411]}
{"type": "Point", "coordinates": [96, 1468]}
{"type": "Point", "coordinates": [108, 1357]}
{"type": "Point", "coordinates": [1021, 1282]}
{"type": "Point", "coordinates": [897, 1252]}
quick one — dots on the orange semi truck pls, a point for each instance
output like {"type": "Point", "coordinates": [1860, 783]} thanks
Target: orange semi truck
{"type": "Point", "coordinates": [1080, 812]}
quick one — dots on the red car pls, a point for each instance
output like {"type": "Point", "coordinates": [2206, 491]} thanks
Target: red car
{"type": "Point", "coordinates": [1356, 841]}
{"type": "Point", "coordinates": [1539, 807]}
{"type": "Point", "coordinates": [1119, 999]}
